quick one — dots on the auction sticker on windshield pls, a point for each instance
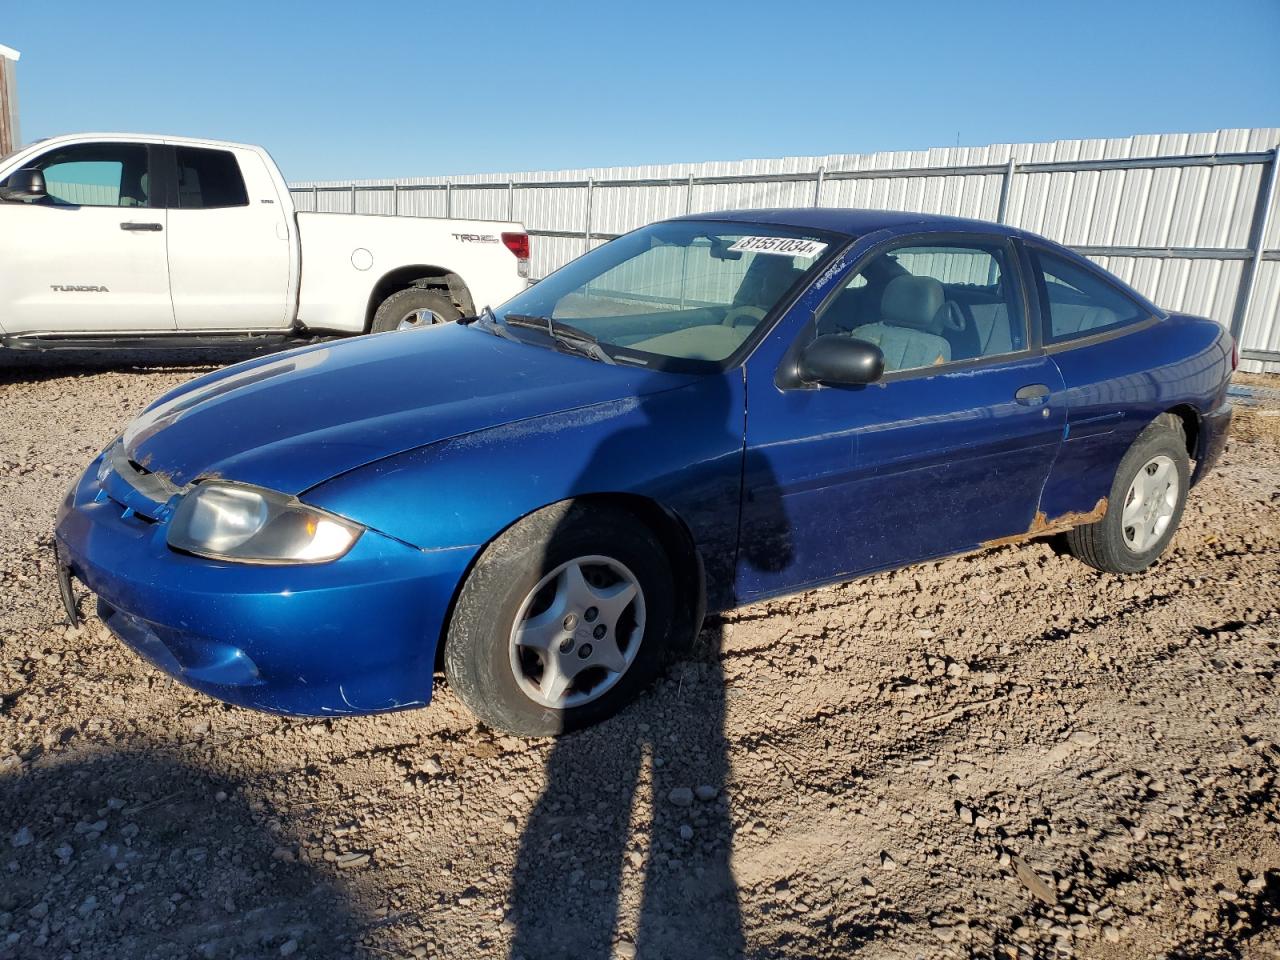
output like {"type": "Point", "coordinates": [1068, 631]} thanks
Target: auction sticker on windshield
{"type": "Point", "coordinates": [786, 246]}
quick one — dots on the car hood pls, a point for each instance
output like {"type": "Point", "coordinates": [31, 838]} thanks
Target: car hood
{"type": "Point", "coordinates": [291, 421]}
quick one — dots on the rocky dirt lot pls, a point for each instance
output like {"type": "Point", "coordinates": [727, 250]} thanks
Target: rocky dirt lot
{"type": "Point", "coordinates": [1004, 755]}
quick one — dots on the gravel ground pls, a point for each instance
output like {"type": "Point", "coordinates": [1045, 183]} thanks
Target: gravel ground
{"type": "Point", "coordinates": [1003, 754]}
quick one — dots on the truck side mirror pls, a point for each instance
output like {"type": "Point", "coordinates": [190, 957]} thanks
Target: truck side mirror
{"type": "Point", "coordinates": [24, 185]}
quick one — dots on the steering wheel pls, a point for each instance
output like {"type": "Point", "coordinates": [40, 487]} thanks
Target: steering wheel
{"type": "Point", "coordinates": [734, 314]}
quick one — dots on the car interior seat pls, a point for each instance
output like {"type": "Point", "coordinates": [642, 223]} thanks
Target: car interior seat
{"type": "Point", "coordinates": [1070, 318]}
{"type": "Point", "coordinates": [766, 281]}
{"type": "Point", "coordinates": [134, 190]}
{"type": "Point", "coordinates": [991, 322]}
{"type": "Point", "coordinates": [911, 325]}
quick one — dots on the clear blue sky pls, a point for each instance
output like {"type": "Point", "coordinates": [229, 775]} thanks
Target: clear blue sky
{"type": "Point", "coordinates": [374, 89]}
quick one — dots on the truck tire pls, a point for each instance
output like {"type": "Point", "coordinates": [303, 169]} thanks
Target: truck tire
{"type": "Point", "coordinates": [562, 621]}
{"type": "Point", "coordinates": [1146, 503]}
{"type": "Point", "coordinates": [414, 307]}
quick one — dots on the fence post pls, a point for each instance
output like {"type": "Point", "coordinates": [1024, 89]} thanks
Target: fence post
{"type": "Point", "coordinates": [586, 232]}
{"type": "Point", "coordinates": [353, 198]}
{"type": "Point", "coordinates": [395, 199]}
{"type": "Point", "coordinates": [511, 200]}
{"type": "Point", "coordinates": [448, 198]}
{"type": "Point", "coordinates": [1005, 184]}
{"type": "Point", "coordinates": [688, 196]}
{"type": "Point", "coordinates": [315, 198]}
{"type": "Point", "coordinates": [1257, 240]}
{"type": "Point", "coordinates": [817, 186]}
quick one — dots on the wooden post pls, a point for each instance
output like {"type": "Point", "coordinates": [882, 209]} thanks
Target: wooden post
{"type": "Point", "coordinates": [9, 135]}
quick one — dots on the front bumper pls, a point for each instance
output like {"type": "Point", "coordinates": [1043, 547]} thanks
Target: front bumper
{"type": "Point", "coordinates": [357, 635]}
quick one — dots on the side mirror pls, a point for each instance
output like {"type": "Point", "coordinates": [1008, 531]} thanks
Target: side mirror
{"type": "Point", "coordinates": [842, 361]}
{"type": "Point", "coordinates": [24, 185]}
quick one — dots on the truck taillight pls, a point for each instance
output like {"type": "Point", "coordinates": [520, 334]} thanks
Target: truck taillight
{"type": "Point", "coordinates": [518, 244]}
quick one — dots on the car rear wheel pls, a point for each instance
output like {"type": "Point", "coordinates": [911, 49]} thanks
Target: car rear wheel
{"type": "Point", "coordinates": [414, 307]}
{"type": "Point", "coordinates": [1145, 506]}
{"type": "Point", "coordinates": [564, 619]}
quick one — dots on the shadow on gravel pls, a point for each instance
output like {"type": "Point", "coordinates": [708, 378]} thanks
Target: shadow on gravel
{"type": "Point", "coordinates": [32, 366]}
{"type": "Point", "coordinates": [1245, 929]}
{"type": "Point", "coordinates": [132, 855]}
{"type": "Point", "coordinates": [570, 868]}
{"type": "Point", "coordinates": [578, 858]}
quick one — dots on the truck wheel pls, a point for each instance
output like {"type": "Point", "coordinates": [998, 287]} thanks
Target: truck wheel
{"type": "Point", "coordinates": [414, 307]}
{"type": "Point", "coordinates": [564, 619]}
{"type": "Point", "coordinates": [1145, 506]}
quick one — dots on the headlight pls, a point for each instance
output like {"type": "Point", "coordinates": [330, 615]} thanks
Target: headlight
{"type": "Point", "coordinates": [230, 521]}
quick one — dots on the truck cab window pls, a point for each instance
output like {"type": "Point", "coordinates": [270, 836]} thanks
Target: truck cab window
{"type": "Point", "coordinates": [96, 175]}
{"type": "Point", "coordinates": [209, 179]}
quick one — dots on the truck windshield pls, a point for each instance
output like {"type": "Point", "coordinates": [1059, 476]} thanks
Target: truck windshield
{"type": "Point", "coordinates": [681, 294]}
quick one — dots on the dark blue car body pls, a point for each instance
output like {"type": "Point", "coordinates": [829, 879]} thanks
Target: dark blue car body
{"type": "Point", "coordinates": [438, 440]}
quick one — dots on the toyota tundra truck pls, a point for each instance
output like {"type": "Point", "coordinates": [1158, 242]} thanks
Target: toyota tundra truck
{"type": "Point", "coordinates": [118, 239]}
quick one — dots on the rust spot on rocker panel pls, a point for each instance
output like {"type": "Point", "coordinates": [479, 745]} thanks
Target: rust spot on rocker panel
{"type": "Point", "coordinates": [1042, 525]}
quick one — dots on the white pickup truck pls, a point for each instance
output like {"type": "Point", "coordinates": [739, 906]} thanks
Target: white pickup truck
{"type": "Point", "coordinates": [114, 239]}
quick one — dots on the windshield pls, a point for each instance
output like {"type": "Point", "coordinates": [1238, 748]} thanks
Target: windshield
{"type": "Point", "coordinates": [678, 294]}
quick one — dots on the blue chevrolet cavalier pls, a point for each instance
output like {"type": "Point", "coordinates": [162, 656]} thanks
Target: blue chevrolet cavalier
{"type": "Point", "coordinates": [545, 500]}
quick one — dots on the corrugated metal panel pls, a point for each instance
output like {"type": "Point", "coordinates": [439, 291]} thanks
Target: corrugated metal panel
{"type": "Point", "coordinates": [1165, 207]}
{"type": "Point", "coordinates": [91, 194]}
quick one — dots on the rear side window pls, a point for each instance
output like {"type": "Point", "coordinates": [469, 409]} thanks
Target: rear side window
{"type": "Point", "coordinates": [209, 179]}
{"type": "Point", "coordinates": [1077, 302]}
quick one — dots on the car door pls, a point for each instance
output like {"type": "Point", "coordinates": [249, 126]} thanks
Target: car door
{"type": "Point", "coordinates": [947, 451]}
{"type": "Point", "coordinates": [229, 260]}
{"type": "Point", "coordinates": [91, 256]}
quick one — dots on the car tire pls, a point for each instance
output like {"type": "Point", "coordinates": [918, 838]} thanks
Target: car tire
{"type": "Point", "coordinates": [508, 593]}
{"type": "Point", "coordinates": [1114, 544]}
{"type": "Point", "coordinates": [427, 306]}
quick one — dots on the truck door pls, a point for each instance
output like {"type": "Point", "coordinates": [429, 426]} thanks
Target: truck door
{"type": "Point", "coordinates": [90, 256]}
{"type": "Point", "coordinates": [229, 263]}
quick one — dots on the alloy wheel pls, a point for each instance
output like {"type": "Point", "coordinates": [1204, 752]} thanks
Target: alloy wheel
{"type": "Point", "coordinates": [1149, 504]}
{"type": "Point", "coordinates": [577, 632]}
{"type": "Point", "coordinates": [419, 318]}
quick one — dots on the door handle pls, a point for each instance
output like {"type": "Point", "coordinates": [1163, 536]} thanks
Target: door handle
{"type": "Point", "coordinates": [147, 227]}
{"type": "Point", "coordinates": [1032, 395]}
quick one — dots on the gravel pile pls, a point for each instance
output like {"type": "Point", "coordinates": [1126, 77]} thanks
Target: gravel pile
{"type": "Point", "coordinates": [1001, 755]}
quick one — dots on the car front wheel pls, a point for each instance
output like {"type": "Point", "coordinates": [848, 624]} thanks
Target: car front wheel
{"type": "Point", "coordinates": [564, 619]}
{"type": "Point", "coordinates": [1145, 506]}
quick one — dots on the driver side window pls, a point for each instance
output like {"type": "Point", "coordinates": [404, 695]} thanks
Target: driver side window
{"type": "Point", "coordinates": [97, 175]}
{"type": "Point", "coordinates": [928, 305]}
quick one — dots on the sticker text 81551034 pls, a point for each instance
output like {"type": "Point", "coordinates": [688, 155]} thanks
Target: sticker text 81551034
{"type": "Point", "coordinates": [783, 246]}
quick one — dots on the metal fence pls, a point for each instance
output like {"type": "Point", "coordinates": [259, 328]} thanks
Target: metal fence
{"type": "Point", "coordinates": [1188, 219]}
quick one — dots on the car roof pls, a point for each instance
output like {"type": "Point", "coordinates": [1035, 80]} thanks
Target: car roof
{"type": "Point", "coordinates": [852, 221]}
{"type": "Point", "coordinates": [857, 223]}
